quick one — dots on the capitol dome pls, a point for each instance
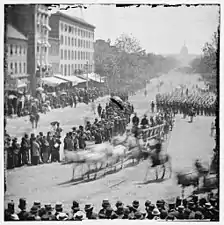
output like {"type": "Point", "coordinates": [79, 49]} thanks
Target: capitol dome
{"type": "Point", "coordinates": [184, 50]}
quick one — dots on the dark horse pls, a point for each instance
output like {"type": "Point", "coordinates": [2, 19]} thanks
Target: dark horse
{"type": "Point", "coordinates": [34, 119]}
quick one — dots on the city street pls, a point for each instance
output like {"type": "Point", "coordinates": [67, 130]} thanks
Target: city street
{"type": "Point", "coordinates": [50, 182]}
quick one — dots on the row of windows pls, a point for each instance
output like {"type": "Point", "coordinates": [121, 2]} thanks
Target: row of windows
{"type": "Point", "coordinates": [54, 50]}
{"type": "Point", "coordinates": [42, 18]}
{"type": "Point", "coordinates": [77, 55]}
{"type": "Point", "coordinates": [17, 67]}
{"type": "Point", "coordinates": [16, 50]}
{"type": "Point", "coordinates": [44, 49]}
{"type": "Point", "coordinates": [70, 69]}
{"type": "Point", "coordinates": [76, 42]}
{"type": "Point", "coordinates": [77, 31]}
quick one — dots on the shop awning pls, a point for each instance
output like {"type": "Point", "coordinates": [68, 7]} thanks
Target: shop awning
{"type": "Point", "coordinates": [53, 81]}
{"type": "Point", "coordinates": [74, 79]}
{"type": "Point", "coordinates": [94, 77]}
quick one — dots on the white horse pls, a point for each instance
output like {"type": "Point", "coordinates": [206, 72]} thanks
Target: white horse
{"type": "Point", "coordinates": [99, 154]}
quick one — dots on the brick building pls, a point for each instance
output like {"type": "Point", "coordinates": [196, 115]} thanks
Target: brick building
{"type": "Point", "coordinates": [76, 43]}
{"type": "Point", "coordinates": [17, 45]}
{"type": "Point", "coordinates": [33, 21]}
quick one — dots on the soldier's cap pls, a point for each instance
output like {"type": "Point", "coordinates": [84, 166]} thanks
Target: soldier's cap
{"type": "Point", "coordinates": [34, 209]}
{"type": "Point", "coordinates": [119, 204]}
{"type": "Point", "coordinates": [88, 206]}
{"type": "Point", "coordinates": [135, 203]}
{"type": "Point", "coordinates": [155, 212]}
{"type": "Point", "coordinates": [37, 203]}
{"type": "Point", "coordinates": [105, 202]}
{"type": "Point", "coordinates": [180, 207]}
{"type": "Point", "coordinates": [147, 203]}
{"type": "Point", "coordinates": [191, 203]}
{"type": "Point", "coordinates": [48, 207]}
{"type": "Point", "coordinates": [58, 206]}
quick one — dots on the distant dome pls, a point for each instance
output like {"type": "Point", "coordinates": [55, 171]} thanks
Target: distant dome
{"type": "Point", "coordinates": [184, 50]}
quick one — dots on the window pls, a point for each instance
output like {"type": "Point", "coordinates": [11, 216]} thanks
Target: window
{"type": "Point", "coordinates": [78, 32]}
{"type": "Point", "coordinates": [61, 54]}
{"type": "Point", "coordinates": [75, 67]}
{"type": "Point", "coordinates": [75, 42]}
{"type": "Point", "coordinates": [84, 43]}
{"type": "Point", "coordinates": [16, 68]}
{"type": "Point", "coordinates": [75, 30]}
{"type": "Point", "coordinates": [69, 29]}
{"type": "Point", "coordinates": [65, 54]}
{"type": "Point", "coordinates": [68, 41]}
{"type": "Point", "coordinates": [75, 55]}
{"type": "Point", "coordinates": [62, 39]}
{"type": "Point", "coordinates": [62, 27]}
{"type": "Point", "coordinates": [65, 40]}
{"type": "Point", "coordinates": [24, 67]}
{"type": "Point", "coordinates": [72, 70]}
{"type": "Point", "coordinates": [69, 70]}
{"type": "Point", "coordinates": [20, 50]}
{"type": "Point", "coordinates": [78, 55]}
{"type": "Point", "coordinates": [38, 49]}
{"type": "Point", "coordinates": [20, 68]}
{"type": "Point", "coordinates": [68, 54]}
{"type": "Point", "coordinates": [65, 70]}
{"type": "Point", "coordinates": [45, 49]}
{"type": "Point", "coordinates": [15, 49]}
{"type": "Point", "coordinates": [24, 51]}
{"type": "Point", "coordinates": [72, 55]}
{"type": "Point", "coordinates": [11, 66]}
{"type": "Point", "coordinates": [66, 28]}
{"type": "Point", "coordinates": [62, 69]}
{"type": "Point", "coordinates": [78, 43]}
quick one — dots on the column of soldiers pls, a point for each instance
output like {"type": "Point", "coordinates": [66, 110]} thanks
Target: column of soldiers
{"type": "Point", "coordinates": [187, 104]}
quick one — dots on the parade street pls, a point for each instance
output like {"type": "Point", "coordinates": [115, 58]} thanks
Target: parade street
{"type": "Point", "coordinates": [47, 182]}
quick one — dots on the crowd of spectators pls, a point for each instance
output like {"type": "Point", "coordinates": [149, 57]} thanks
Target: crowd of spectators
{"type": "Point", "coordinates": [35, 149]}
{"type": "Point", "coordinates": [193, 208]}
{"type": "Point", "coordinates": [19, 103]}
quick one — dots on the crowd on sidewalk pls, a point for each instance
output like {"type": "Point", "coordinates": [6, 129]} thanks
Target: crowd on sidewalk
{"type": "Point", "coordinates": [193, 208]}
{"type": "Point", "coordinates": [18, 103]}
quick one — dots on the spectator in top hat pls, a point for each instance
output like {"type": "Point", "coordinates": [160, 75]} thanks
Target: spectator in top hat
{"type": "Point", "coordinates": [89, 212]}
{"type": "Point", "coordinates": [102, 212]}
{"type": "Point", "coordinates": [75, 207]}
{"type": "Point", "coordinates": [23, 214]}
{"type": "Point", "coordinates": [58, 208]}
{"type": "Point", "coordinates": [33, 214]}
{"type": "Point", "coordinates": [10, 211]}
{"type": "Point", "coordinates": [120, 209]}
{"type": "Point", "coordinates": [48, 212]}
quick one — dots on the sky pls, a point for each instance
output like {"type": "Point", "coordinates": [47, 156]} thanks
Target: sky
{"type": "Point", "coordinates": [161, 30]}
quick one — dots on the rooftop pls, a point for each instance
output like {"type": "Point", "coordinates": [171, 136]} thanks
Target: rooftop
{"type": "Point", "coordinates": [74, 19]}
{"type": "Point", "coordinates": [14, 33]}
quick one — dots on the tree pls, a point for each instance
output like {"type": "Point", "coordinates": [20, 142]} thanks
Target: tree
{"type": "Point", "coordinates": [128, 44]}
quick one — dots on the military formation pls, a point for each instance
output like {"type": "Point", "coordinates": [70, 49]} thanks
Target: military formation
{"type": "Point", "coordinates": [186, 102]}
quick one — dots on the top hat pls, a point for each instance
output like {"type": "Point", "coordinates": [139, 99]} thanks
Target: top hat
{"type": "Point", "coordinates": [11, 206]}
{"type": "Point", "coordinates": [22, 203]}
{"type": "Point", "coordinates": [105, 202]}
{"type": "Point", "coordinates": [75, 205]}
{"type": "Point", "coordinates": [119, 204]}
{"type": "Point", "coordinates": [34, 209]}
{"type": "Point", "coordinates": [147, 203]}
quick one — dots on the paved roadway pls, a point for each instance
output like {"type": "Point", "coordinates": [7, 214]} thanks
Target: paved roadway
{"type": "Point", "coordinates": [49, 182]}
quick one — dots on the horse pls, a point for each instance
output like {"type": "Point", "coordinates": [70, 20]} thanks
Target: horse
{"type": "Point", "coordinates": [202, 169]}
{"type": "Point", "coordinates": [34, 119]}
{"type": "Point", "coordinates": [82, 158]}
{"type": "Point", "coordinates": [159, 159]}
{"type": "Point", "coordinates": [188, 179]}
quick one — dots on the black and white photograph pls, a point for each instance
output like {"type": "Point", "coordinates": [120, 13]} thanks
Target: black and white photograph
{"type": "Point", "coordinates": [111, 111]}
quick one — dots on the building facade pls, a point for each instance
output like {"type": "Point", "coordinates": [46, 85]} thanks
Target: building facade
{"type": "Point", "coordinates": [17, 45]}
{"type": "Point", "coordinates": [54, 55]}
{"type": "Point", "coordinates": [76, 43]}
{"type": "Point", "coordinates": [33, 21]}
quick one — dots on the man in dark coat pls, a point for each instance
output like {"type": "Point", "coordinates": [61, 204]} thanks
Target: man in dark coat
{"type": "Point", "coordinates": [23, 214]}
{"type": "Point", "coordinates": [89, 212]}
{"type": "Point", "coordinates": [135, 120]}
{"type": "Point", "coordinates": [99, 110]}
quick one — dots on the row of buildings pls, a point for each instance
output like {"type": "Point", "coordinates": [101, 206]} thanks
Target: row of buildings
{"type": "Point", "coordinates": [41, 44]}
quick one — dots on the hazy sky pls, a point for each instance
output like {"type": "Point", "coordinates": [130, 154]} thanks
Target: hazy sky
{"type": "Point", "coordinates": [160, 30]}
